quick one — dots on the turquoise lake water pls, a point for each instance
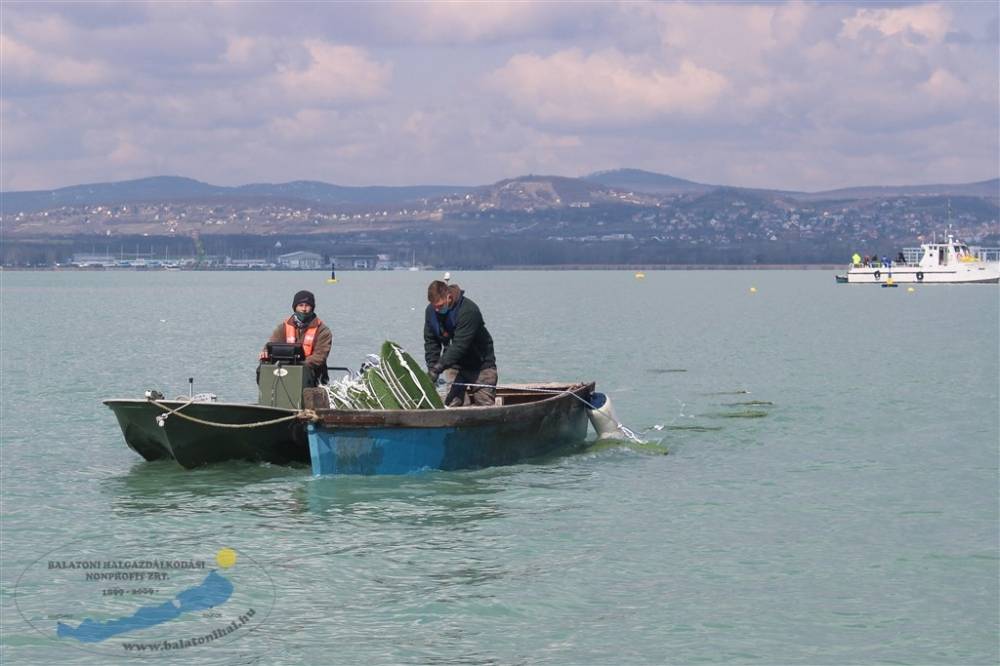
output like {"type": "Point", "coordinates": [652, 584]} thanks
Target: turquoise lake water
{"type": "Point", "coordinates": [830, 495]}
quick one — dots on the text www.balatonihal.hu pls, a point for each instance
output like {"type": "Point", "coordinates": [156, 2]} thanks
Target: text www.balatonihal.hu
{"type": "Point", "coordinates": [180, 644]}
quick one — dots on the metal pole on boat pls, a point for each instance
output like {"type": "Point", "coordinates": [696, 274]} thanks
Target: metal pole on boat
{"type": "Point", "coordinates": [190, 387]}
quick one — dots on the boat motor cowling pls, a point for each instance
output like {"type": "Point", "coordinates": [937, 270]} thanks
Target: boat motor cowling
{"type": "Point", "coordinates": [283, 375]}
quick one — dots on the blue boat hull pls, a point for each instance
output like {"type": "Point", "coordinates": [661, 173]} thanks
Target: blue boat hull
{"type": "Point", "coordinates": [400, 442]}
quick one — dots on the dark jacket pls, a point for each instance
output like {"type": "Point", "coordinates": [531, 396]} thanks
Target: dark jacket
{"type": "Point", "coordinates": [458, 339]}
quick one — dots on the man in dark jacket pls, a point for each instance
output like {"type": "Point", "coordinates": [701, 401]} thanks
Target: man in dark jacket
{"type": "Point", "coordinates": [458, 346]}
{"type": "Point", "coordinates": [305, 328]}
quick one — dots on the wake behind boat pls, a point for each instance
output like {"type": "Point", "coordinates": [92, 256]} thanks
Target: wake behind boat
{"type": "Point", "coordinates": [951, 262]}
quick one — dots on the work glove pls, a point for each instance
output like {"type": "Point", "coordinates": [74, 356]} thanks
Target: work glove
{"type": "Point", "coordinates": [435, 372]}
{"type": "Point", "coordinates": [263, 355]}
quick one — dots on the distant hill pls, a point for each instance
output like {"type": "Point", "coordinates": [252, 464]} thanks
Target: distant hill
{"type": "Point", "coordinates": [537, 192]}
{"type": "Point", "coordinates": [311, 190]}
{"type": "Point", "coordinates": [985, 188]}
{"type": "Point", "coordinates": [175, 188]}
{"type": "Point", "coordinates": [632, 186]}
{"type": "Point", "coordinates": [637, 180]}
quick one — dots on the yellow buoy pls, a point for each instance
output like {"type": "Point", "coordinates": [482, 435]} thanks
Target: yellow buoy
{"type": "Point", "coordinates": [753, 290]}
{"type": "Point", "coordinates": [640, 275]}
{"type": "Point", "coordinates": [910, 289]}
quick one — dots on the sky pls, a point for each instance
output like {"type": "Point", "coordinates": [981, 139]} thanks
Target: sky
{"type": "Point", "coordinates": [789, 95]}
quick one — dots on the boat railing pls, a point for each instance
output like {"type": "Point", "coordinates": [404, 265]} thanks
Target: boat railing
{"type": "Point", "coordinates": [878, 263]}
{"type": "Point", "coordinates": [986, 254]}
{"type": "Point", "coordinates": [912, 255]}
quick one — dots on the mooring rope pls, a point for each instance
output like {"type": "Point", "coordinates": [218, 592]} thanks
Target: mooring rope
{"type": "Point", "coordinates": [302, 415]}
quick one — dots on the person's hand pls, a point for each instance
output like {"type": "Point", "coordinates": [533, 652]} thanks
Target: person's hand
{"type": "Point", "coordinates": [435, 372]}
{"type": "Point", "coordinates": [263, 355]}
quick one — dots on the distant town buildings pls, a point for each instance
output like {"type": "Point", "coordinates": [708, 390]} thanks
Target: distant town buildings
{"type": "Point", "coordinates": [533, 221]}
{"type": "Point", "coordinates": [300, 261]}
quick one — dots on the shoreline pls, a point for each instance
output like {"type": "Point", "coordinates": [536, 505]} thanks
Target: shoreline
{"type": "Point", "coordinates": [561, 267]}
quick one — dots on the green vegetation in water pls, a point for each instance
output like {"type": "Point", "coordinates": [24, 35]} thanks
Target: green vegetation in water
{"type": "Point", "coordinates": [649, 448]}
{"type": "Point", "coordinates": [747, 402]}
{"type": "Point", "coordinates": [740, 392]}
{"type": "Point", "coordinates": [663, 371]}
{"type": "Point", "coordinates": [693, 428]}
{"type": "Point", "coordinates": [745, 414]}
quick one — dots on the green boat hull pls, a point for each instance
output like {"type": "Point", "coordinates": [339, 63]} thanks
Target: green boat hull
{"type": "Point", "coordinates": [235, 433]}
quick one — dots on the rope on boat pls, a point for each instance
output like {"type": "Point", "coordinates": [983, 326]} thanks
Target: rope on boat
{"type": "Point", "coordinates": [302, 415]}
{"type": "Point", "coordinates": [621, 426]}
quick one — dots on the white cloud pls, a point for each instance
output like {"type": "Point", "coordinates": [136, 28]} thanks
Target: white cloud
{"type": "Point", "coordinates": [604, 88]}
{"type": "Point", "coordinates": [23, 64]}
{"type": "Point", "coordinates": [798, 94]}
{"type": "Point", "coordinates": [945, 86]}
{"type": "Point", "coordinates": [332, 74]}
{"type": "Point", "coordinates": [931, 22]}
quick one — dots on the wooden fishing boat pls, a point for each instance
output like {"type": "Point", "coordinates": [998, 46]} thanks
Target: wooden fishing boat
{"type": "Point", "coordinates": [528, 420]}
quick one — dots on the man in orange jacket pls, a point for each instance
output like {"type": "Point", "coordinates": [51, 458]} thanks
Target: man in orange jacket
{"type": "Point", "coordinates": [305, 328]}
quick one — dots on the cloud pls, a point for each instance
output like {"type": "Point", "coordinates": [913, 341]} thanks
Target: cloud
{"type": "Point", "coordinates": [604, 88]}
{"type": "Point", "coordinates": [468, 22]}
{"type": "Point", "coordinates": [784, 94]}
{"type": "Point", "coordinates": [332, 74]}
{"type": "Point", "coordinates": [24, 67]}
{"type": "Point", "coordinates": [915, 24]}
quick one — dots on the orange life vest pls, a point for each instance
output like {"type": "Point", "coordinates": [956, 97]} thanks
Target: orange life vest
{"type": "Point", "coordinates": [310, 337]}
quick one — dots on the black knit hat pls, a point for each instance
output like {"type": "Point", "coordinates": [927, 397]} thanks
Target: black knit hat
{"type": "Point", "coordinates": [304, 297]}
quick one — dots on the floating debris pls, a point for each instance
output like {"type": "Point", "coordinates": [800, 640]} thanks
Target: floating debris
{"type": "Point", "coordinates": [663, 371]}
{"type": "Point", "coordinates": [693, 428]}
{"type": "Point", "coordinates": [740, 392]}
{"type": "Point", "coordinates": [747, 402]}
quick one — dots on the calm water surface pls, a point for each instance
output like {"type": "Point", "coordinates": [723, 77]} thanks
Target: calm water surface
{"type": "Point", "coordinates": [830, 497]}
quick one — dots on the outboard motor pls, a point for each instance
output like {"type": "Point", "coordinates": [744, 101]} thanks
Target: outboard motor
{"type": "Point", "coordinates": [603, 418]}
{"type": "Point", "coordinates": [283, 375]}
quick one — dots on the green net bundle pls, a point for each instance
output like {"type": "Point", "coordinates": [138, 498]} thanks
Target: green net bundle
{"type": "Point", "coordinates": [396, 382]}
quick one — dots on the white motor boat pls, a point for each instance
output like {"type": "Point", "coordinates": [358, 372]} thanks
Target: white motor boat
{"type": "Point", "coordinates": [951, 262]}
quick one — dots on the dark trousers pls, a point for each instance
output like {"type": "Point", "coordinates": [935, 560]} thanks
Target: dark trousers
{"type": "Point", "coordinates": [462, 396]}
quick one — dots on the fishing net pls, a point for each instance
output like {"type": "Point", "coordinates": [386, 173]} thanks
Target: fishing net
{"type": "Point", "coordinates": [391, 380]}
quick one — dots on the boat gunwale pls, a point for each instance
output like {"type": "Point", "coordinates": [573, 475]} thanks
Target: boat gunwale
{"type": "Point", "coordinates": [458, 416]}
{"type": "Point", "coordinates": [405, 418]}
{"type": "Point", "coordinates": [173, 404]}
